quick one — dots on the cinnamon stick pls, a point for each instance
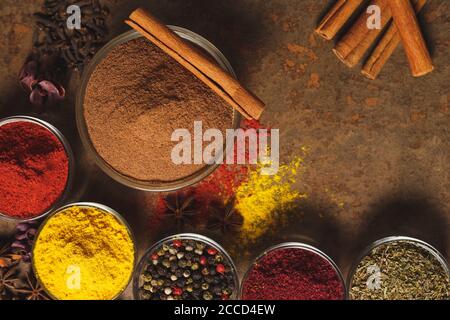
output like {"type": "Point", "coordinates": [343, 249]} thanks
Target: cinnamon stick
{"type": "Point", "coordinates": [207, 71]}
{"type": "Point", "coordinates": [386, 47]}
{"type": "Point", "coordinates": [337, 17]}
{"type": "Point", "coordinates": [355, 43]}
{"type": "Point", "coordinates": [412, 39]}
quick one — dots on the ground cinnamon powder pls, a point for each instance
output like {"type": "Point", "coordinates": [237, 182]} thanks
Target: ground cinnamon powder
{"type": "Point", "coordinates": [136, 97]}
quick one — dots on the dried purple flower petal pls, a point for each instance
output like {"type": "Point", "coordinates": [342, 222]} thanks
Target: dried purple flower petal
{"type": "Point", "coordinates": [18, 245]}
{"type": "Point", "coordinates": [25, 233]}
{"type": "Point", "coordinates": [21, 236]}
{"type": "Point", "coordinates": [54, 91]}
{"type": "Point", "coordinates": [28, 74]}
{"type": "Point", "coordinates": [36, 98]}
{"type": "Point", "coordinates": [22, 227]}
{"type": "Point", "coordinates": [46, 92]}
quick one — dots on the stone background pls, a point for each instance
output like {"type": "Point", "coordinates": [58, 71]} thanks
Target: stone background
{"type": "Point", "coordinates": [379, 151]}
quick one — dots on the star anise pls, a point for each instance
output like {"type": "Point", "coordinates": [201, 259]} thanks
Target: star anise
{"type": "Point", "coordinates": [33, 289]}
{"type": "Point", "coordinates": [181, 208]}
{"type": "Point", "coordinates": [225, 219]}
{"type": "Point", "coordinates": [8, 279]}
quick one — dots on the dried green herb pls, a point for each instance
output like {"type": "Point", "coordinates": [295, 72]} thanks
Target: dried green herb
{"type": "Point", "coordinates": [400, 270]}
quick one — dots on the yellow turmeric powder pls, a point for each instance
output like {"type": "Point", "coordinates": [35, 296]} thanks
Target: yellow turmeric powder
{"type": "Point", "coordinates": [263, 199]}
{"type": "Point", "coordinates": [84, 253]}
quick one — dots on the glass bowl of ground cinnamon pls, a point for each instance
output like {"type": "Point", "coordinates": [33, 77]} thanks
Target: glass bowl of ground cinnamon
{"type": "Point", "coordinates": [36, 168]}
{"type": "Point", "coordinates": [132, 98]}
{"type": "Point", "coordinates": [293, 271]}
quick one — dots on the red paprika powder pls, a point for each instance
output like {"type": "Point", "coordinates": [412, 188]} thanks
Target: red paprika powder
{"type": "Point", "coordinates": [292, 274]}
{"type": "Point", "coordinates": [34, 169]}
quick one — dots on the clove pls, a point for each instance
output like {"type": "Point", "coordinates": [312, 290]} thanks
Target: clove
{"type": "Point", "coordinates": [76, 47]}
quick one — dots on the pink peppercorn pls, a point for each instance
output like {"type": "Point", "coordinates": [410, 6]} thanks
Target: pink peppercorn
{"type": "Point", "coordinates": [177, 291]}
{"type": "Point", "coordinates": [177, 243]}
{"type": "Point", "coordinates": [220, 268]}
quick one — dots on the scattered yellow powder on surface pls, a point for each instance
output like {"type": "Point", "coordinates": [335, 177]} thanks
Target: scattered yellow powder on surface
{"type": "Point", "coordinates": [263, 199]}
{"type": "Point", "coordinates": [84, 253]}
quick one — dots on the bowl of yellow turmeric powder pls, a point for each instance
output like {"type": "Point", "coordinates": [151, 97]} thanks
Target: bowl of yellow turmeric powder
{"type": "Point", "coordinates": [84, 251]}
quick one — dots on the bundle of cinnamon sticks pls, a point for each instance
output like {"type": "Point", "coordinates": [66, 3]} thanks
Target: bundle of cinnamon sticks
{"type": "Point", "coordinates": [397, 24]}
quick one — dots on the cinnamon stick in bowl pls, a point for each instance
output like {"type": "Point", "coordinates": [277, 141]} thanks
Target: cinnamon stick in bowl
{"type": "Point", "coordinates": [336, 18]}
{"type": "Point", "coordinates": [412, 39]}
{"type": "Point", "coordinates": [192, 59]}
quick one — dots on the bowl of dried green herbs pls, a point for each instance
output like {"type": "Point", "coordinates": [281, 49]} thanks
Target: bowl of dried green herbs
{"type": "Point", "coordinates": [400, 268]}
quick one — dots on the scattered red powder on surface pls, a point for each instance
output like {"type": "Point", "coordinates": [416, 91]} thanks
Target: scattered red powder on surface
{"type": "Point", "coordinates": [33, 169]}
{"type": "Point", "coordinates": [292, 274]}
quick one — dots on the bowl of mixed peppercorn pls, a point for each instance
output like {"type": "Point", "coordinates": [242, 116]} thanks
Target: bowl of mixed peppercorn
{"type": "Point", "coordinates": [186, 267]}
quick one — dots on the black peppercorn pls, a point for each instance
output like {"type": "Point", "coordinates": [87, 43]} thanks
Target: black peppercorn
{"type": "Point", "coordinates": [197, 276]}
{"type": "Point", "coordinates": [217, 290]}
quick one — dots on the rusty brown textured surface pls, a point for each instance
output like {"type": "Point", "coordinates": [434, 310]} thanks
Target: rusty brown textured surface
{"type": "Point", "coordinates": [379, 158]}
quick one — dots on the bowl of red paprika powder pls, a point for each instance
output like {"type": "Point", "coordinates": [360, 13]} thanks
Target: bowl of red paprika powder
{"type": "Point", "coordinates": [293, 271]}
{"type": "Point", "coordinates": [36, 168]}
